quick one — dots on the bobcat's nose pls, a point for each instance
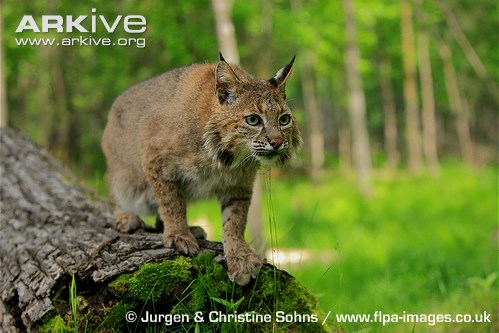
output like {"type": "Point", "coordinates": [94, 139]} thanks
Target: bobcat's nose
{"type": "Point", "coordinates": [275, 143]}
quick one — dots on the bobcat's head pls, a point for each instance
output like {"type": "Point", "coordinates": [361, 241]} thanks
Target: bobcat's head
{"type": "Point", "coordinates": [252, 122]}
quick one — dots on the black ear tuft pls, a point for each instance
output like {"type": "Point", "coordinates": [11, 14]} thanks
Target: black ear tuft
{"type": "Point", "coordinates": [279, 80]}
{"type": "Point", "coordinates": [221, 57]}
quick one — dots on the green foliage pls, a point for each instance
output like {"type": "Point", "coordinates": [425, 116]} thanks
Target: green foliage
{"type": "Point", "coordinates": [55, 325]}
{"type": "Point", "coordinates": [200, 285]}
{"type": "Point", "coordinates": [74, 302]}
{"type": "Point", "coordinates": [155, 281]}
{"type": "Point", "coordinates": [60, 96]}
{"type": "Point", "coordinates": [420, 245]}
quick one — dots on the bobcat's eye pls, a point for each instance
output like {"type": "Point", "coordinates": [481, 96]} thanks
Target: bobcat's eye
{"type": "Point", "coordinates": [284, 120]}
{"type": "Point", "coordinates": [253, 120]}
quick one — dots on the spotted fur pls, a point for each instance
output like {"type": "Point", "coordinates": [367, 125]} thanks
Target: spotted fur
{"type": "Point", "coordinates": [191, 133]}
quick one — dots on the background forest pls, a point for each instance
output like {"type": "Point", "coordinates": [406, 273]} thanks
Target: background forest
{"type": "Point", "coordinates": [392, 203]}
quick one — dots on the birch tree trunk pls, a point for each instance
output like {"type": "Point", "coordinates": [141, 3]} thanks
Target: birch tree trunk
{"type": "Point", "coordinates": [456, 105]}
{"type": "Point", "coordinates": [428, 100]}
{"type": "Point", "coordinates": [463, 42]}
{"type": "Point", "coordinates": [356, 102]}
{"type": "Point", "coordinates": [468, 50]}
{"type": "Point", "coordinates": [412, 125]}
{"type": "Point", "coordinates": [314, 123]}
{"type": "Point", "coordinates": [315, 132]}
{"type": "Point", "coordinates": [226, 33]}
{"type": "Point", "coordinates": [345, 148]}
{"type": "Point", "coordinates": [428, 105]}
{"type": "Point", "coordinates": [389, 112]}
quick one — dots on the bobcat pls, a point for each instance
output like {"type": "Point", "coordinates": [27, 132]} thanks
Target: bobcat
{"type": "Point", "coordinates": [194, 132]}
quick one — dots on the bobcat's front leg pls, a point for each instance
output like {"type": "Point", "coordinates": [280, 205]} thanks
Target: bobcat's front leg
{"type": "Point", "coordinates": [242, 262]}
{"type": "Point", "coordinates": [172, 211]}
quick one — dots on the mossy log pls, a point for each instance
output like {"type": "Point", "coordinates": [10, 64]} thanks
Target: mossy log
{"type": "Point", "coordinates": [53, 229]}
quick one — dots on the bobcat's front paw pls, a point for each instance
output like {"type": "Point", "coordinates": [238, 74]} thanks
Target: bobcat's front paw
{"type": "Point", "coordinates": [128, 222]}
{"type": "Point", "coordinates": [183, 242]}
{"type": "Point", "coordinates": [243, 264]}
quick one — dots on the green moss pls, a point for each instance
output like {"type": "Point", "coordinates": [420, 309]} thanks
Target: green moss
{"type": "Point", "coordinates": [282, 296]}
{"type": "Point", "coordinates": [153, 285]}
{"type": "Point", "coordinates": [211, 281]}
{"type": "Point", "coordinates": [273, 291]}
{"type": "Point", "coordinates": [153, 281]}
{"type": "Point", "coordinates": [55, 324]}
{"type": "Point", "coordinates": [119, 286]}
{"type": "Point", "coordinates": [188, 286]}
{"type": "Point", "coordinates": [114, 318]}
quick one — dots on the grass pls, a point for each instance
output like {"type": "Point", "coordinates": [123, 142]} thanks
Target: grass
{"type": "Point", "coordinates": [199, 288]}
{"type": "Point", "coordinates": [186, 295]}
{"type": "Point", "coordinates": [425, 245]}
{"type": "Point", "coordinates": [74, 303]}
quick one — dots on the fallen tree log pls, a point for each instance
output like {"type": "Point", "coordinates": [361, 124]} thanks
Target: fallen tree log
{"type": "Point", "coordinates": [56, 235]}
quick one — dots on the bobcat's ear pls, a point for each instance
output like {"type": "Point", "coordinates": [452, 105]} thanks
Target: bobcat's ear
{"type": "Point", "coordinates": [282, 75]}
{"type": "Point", "coordinates": [227, 82]}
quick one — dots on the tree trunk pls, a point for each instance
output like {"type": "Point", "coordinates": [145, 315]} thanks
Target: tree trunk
{"type": "Point", "coordinates": [314, 122]}
{"type": "Point", "coordinates": [412, 125]}
{"type": "Point", "coordinates": [315, 132]}
{"type": "Point", "coordinates": [389, 112]}
{"type": "Point", "coordinates": [457, 106]}
{"type": "Point", "coordinates": [51, 228]}
{"type": "Point", "coordinates": [464, 44]}
{"type": "Point", "coordinates": [356, 102]}
{"type": "Point", "coordinates": [345, 149]}
{"type": "Point", "coordinates": [226, 33]}
{"type": "Point", "coordinates": [468, 50]}
{"type": "Point", "coordinates": [428, 100]}
{"type": "Point", "coordinates": [46, 108]}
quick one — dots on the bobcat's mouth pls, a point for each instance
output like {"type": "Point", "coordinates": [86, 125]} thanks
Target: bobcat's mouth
{"type": "Point", "coordinates": [271, 158]}
{"type": "Point", "coordinates": [267, 154]}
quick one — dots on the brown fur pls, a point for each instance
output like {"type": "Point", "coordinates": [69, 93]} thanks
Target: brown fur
{"type": "Point", "coordinates": [186, 135]}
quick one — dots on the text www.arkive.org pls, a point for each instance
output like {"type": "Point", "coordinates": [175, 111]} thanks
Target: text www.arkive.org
{"type": "Point", "coordinates": [82, 41]}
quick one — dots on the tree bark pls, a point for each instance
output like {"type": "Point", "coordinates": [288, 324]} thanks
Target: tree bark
{"type": "Point", "coordinates": [463, 42]}
{"type": "Point", "coordinates": [51, 228]}
{"type": "Point", "coordinates": [345, 149]}
{"type": "Point", "coordinates": [315, 132]}
{"type": "Point", "coordinates": [412, 125]}
{"type": "Point", "coordinates": [314, 122]}
{"type": "Point", "coordinates": [226, 33]}
{"type": "Point", "coordinates": [356, 102]}
{"type": "Point", "coordinates": [468, 50]}
{"type": "Point", "coordinates": [389, 112]}
{"type": "Point", "coordinates": [428, 99]}
{"type": "Point", "coordinates": [428, 105]}
{"type": "Point", "coordinates": [457, 106]}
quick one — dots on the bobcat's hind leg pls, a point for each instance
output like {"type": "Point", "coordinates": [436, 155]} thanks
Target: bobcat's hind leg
{"type": "Point", "coordinates": [172, 206]}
